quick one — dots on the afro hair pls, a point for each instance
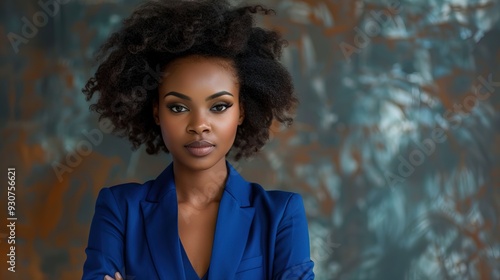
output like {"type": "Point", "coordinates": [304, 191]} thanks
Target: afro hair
{"type": "Point", "coordinates": [159, 32]}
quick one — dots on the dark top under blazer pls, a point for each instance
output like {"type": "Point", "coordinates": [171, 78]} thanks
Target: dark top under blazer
{"type": "Point", "coordinates": [259, 234]}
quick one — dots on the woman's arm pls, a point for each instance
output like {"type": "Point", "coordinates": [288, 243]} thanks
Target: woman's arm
{"type": "Point", "coordinates": [292, 255]}
{"type": "Point", "coordinates": [106, 239]}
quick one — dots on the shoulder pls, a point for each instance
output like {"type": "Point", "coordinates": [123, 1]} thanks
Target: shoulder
{"type": "Point", "coordinates": [277, 201]}
{"type": "Point", "coordinates": [252, 194]}
{"type": "Point", "coordinates": [273, 196]}
{"type": "Point", "coordinates": [126, 192]}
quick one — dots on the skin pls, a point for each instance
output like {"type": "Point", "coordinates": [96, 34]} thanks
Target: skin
{"type": "Point", "coordinates": [198, 98]}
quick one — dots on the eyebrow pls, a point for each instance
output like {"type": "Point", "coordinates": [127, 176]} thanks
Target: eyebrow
{"type": "Point", "coordinates": [185, 97]}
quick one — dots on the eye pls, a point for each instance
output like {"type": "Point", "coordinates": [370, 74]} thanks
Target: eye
{"type": "Point", "coordinates": [221, 107]}
{"type": "Point", "coordinates": [177, 108]}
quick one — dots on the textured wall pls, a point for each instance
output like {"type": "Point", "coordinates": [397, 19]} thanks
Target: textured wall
{"type": "Point", "coordinates": [395, 148]}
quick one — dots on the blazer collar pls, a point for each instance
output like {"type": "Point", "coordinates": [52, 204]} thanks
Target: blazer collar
{"type": "Point", "coordinates": [164, 184]}
{"type": "Point", "coordinates": [234, 218]}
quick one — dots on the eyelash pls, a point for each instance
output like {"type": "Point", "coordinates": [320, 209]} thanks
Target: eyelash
{"type": "Point", "coordinates": [171, 107]}
{"type": "Point", "coordinates": [184, 109]}
{"type": "Point", "coordinates": [224, 105]}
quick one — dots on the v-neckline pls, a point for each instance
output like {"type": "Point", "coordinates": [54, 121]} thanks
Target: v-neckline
{"type": "Point", "coordinates": [192, 272]}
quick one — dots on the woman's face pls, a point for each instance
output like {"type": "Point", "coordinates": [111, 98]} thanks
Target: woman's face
{"type": "Point", "coordinates": [198, 110]}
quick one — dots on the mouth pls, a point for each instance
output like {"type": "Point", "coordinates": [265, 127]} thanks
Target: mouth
{"type": "Point", "coordinates": [200, 148]}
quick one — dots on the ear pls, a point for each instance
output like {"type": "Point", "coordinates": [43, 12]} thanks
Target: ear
{"type": "Point", "coordinates": [156, 113]}
{"type": "Point", "coordinates": [242, 114]}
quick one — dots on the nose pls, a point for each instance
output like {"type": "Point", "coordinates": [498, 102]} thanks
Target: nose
{"type": "Point", "coordinates": [198, 123]}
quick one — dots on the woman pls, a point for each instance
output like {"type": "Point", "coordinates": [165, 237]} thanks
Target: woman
{"type": "Point", "coordinates": [220, 87]}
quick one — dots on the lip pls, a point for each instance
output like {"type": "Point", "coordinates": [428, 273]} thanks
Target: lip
{"type": "Point", "coordinates": [200, 148]}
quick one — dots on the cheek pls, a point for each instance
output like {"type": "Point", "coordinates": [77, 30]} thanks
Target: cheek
{"type": "Point", "coordinates": [169, 129]}
{"type": "Point", "coordinates": [230, 125]}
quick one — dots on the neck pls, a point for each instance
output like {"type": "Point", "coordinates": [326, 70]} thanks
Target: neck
{"type": "Point", "coordinates": [200, 188]}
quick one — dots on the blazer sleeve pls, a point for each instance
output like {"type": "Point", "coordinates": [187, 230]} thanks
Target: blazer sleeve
{"type": "Point", "coordinates": [292, 253]}
{"type": "Point", "coordinates": [105, 247]}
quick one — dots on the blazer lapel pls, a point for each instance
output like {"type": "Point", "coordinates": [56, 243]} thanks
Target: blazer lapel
{"type": "Point", "coordinates": [233, 223]}
{"type": "Point", "coordinates": [159, 211]}
{"type": "Point", "coordinates": [234, 218]}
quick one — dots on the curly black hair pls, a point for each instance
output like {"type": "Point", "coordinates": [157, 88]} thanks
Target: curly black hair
{"type": "Point", "coordinates": [159, 32]}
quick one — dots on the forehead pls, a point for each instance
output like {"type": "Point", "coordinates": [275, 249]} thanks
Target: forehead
{"type": "Point", "coordinates": [195, 72]}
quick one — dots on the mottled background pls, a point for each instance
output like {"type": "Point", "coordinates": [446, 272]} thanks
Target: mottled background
{"type": "Point", "coordinates": [395, 149]}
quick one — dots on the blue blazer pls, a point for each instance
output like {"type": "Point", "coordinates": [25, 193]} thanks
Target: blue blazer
{"type": "Point", "coordinates": [259, 234]}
